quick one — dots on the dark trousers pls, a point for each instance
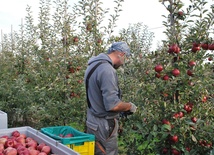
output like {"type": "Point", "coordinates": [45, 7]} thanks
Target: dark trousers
{"type": "Point", "coordinates": [105, 131]}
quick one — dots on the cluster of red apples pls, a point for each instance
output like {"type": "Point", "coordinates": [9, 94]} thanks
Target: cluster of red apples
{"type": "Point", "coordinates": [21, 144]}
{"type": "Point", "coordinates": [174, 48]}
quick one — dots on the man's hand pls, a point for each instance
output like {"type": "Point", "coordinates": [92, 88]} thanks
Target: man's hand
{"type": "Point", "coordinates": [133, 108]}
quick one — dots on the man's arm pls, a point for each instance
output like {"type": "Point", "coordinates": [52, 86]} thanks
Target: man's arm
{"type": "Point", "coordinates": [122, 106]}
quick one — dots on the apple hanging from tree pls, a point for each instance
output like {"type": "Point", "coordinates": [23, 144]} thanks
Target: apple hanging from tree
{"type": "Point", "coordinates": [211, 46]}
{"type": "Point", "coordinates": [165, 77]}
{"type": "Point", "coordinates": [204, 46]}
{"type": "Point", "coordinates": [175, 151]}
{"type": "Point", "coordinates": [210, 58]}
{"type": "Point", "coordinates": [174, 138]}
{"type": "Point", "coordinates": [189, 72]}
{"type": "Point", "coordinates": [174, 48]}
{"type": "Point", "coordinates": [192, 63]}
{"type": "Point", "coordinates": [158, 68]}
{"type": "Point", "coordinates": [175, 72]}
{"type": "Point", "coordinates": [194, 119]}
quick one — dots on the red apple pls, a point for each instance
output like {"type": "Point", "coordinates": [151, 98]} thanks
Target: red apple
{"type": "Point", "coordinates": [180, 13]}
{"type": "Point", "coordinates": [9, 143]}
{"type": "Point", "coordinates": [188, 107]}
{"type": "Point", "coordinates": [165, 121]}
{"type": "Point", "coordinates": [192, 63]}
{"type": "Point", "coordinates": [181, 114]}
{"type": "Point", "coordinates": [21, 140]}
{"type": "Point", "coordinates": [204, 46]}
{"type": "Point", "coordinates": [204, 99]}
{"type": "Point", "coordinates": [195, 48]}
{"type": "Point", "coordinates": [28, 139]}
{"type": "Point", "coordinates": [196, 44]}
{"type": "Point", "coordinates": [165, 77]}
{"type": "Point", "coordinates": [20, 148]}
{"type": "Point", "coordinates": [175, 152]}
{"type": "Point", "coordinates": [175, 72]}
{"type": "Point", "coordinates": [158, 68]}
{"type": "Point", "coordinates": [23, 135]}
{"type": "Point", "coordinates": [176, 115]}
{"type": "Point", "coordinates": [46, 149]}
{"type": "Point", "coordinates": [157, 75]}
{"type": "Point", "coordinates": [174, 49]}
{"type": "Point", "coordinates": [34, 152]}
{"type": "Point", "coordinates": [210, 58]}
{"type": "Point", "coordinates": [75, 39]}
{"type": "Point", "coordinates": [32, 143]}
{"type": "Point", "coordinates": [211, 46]}
{"type": "Point", "coordinates": [174, 139]}
{"type": "Point", "coordinates": [15, 133]}
{"type": "Point", "coordinates": [40, 146]}
{"type": "Point", "coordinates": [10, 151]}
{"type": "Point", "coordinates": [194, 119]}
{"type": "Point", "coordinates": [17, 145]}
{"type": "Point", "coordinates": [189, 72]}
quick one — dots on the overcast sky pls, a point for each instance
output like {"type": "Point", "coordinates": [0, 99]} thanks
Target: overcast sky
{"type": "Point", "coordinates": [149, 12]}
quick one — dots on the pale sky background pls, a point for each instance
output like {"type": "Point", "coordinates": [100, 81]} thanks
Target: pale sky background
{"type": "Point", "coordinates": [149, 12]}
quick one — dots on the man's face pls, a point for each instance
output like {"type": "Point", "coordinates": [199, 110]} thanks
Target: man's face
{"type": "Point", "coordinates": [121, 60]}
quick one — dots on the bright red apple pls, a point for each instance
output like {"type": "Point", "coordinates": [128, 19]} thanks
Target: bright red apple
{"type": "Point", "coordinates": [174, 139]}
{"type": "Point", "coordinates": [174, 48]}
{"type": "Point", "coordinates": [194, 119]}
{"type": "Point", "coordinates": [175, 72]}
{"type": "Point", "coordinates": [158, 68]}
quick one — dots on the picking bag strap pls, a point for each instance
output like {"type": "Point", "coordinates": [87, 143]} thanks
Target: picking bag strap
{"type": "Point", "coordinates": [87, 80]}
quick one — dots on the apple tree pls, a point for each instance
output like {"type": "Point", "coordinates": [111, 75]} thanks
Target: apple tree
{"type": "Point", "coordinates": [173, 86]}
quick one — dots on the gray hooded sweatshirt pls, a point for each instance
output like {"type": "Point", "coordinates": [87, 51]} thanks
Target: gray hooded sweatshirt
{"type": "Point", "coordinates": [103, 89]}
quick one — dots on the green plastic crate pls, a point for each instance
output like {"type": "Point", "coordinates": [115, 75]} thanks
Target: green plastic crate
{"type": "Point", "coordinates": [82, 143]}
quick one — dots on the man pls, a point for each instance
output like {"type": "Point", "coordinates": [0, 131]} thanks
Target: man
{"type": "Point", "coordinates": [103, 95]}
